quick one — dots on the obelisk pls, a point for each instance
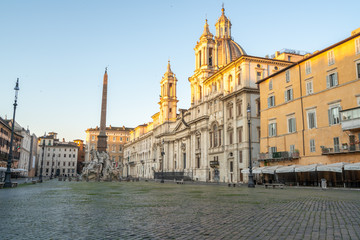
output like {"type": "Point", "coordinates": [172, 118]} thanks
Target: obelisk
{"type": "Point", "coordinates": [102, 138]}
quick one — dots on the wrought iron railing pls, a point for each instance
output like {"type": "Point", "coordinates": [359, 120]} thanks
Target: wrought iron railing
{"type": "Point", "coordinates": [340, 149]}
{"type": "Point", "coordinates": [279, 156]}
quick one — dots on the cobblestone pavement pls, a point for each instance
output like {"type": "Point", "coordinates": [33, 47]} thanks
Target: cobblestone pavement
{"type": "Point", "coordinates": [149, 210]}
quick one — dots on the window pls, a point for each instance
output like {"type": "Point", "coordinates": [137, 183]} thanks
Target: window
{"type": "Point", "coordinates": [336, 144]}
{"type": "Point", "coordinates": [215, 135]}
{"type": "Point", "coordinates": [308, 67]}
{"type": "Point", "coordinates": [358, 69]}
{"type": "Point", "coordinates": [64, 164]}
{"type": "Point", "coordinates": [200, 58]}
{"type": "Point", "coordinates": [198, 161]}
{"type": "Point", "coordinates": [311, 119]}
{"type": "Point", "coordinates": [240, 156]}
{"type": "Point", "coordinates": [334, 116]}
{"type": "Point", "coordinates": [288, 95]}
{"type": "Point", "coordinates": [357, 46]}
{"type": "Point", "coordinates": [309, 87]}
{"type": "Point", "coordinates": [239, 109]}
{"type": "Point", "coordinates": [271, 101]}
{"type": "Point", "coordinates": [270, 84]}
{"type": "Point", "coordinates": [198, 143]}
{"type": "Point", "coordinates": [64, 155]}
{"type": "Point", "coordinates": [73, 155]}
{"type": "Point", "coordinates": [331, 57]}
{"type": "Point", "coordinates": [272, 129]}
{"type": "Point", "coordinates": [258, 76]}
{"type": "Point", "coordinates": [231, 166]}
{"type": "Point", "coordinates": [312, 145]}
{"type": "Point", "coordinates": [238, 78]}
{"type": "Point", "coordinates": [287, 76]}
{"type": "Point", "coordinates": [240, 134]}
{"type": "Point", "coordinates": [332, 80]}
{"type": "Point", "coordinates": [230, 109]}
{"type": "Point", "coordinates": [292, 148]}
{"type": "Point", "coordinates": [291, 125]}
{"type": "Point", "coordinates": [184, 159]}
{"type": "Point", "coordinates": [231, 137]}
{"type": "Point", "coordinates": [272, 150]}
{"type": "Point", "coordinates": [114, 139]}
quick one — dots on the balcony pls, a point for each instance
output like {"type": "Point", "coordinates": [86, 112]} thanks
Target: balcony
{"type": "Point", "coordinates": [345, 149]}
{"type": "Point", "coordinates": [214, 164]}
{"type": "Point", "coordinates": [278, 156]}
{"type": "Point", "coordinates": [350, 119]}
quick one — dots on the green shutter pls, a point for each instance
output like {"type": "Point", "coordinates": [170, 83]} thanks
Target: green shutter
{"type": "Point", "coordinates": [327, 81]}
{"type": "Point", "coordinates": [336, 79]}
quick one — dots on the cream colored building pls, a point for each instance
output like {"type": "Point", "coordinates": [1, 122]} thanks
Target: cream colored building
{"type": "Point", "coordinates": [310, 111]}
{"type": "Point", "coordinates": [58, 158]}
{"type": "Point", "coordinates": [208, 141]}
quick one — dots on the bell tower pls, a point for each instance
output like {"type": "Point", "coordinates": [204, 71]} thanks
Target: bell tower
{"type": "Point", "coordinates": [168, 99]}
{"type": "Point", "coordinates": [204, 50]}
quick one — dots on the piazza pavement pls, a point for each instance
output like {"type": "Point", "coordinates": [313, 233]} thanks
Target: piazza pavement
{"type": "Point", "coordinates": [151, 210]}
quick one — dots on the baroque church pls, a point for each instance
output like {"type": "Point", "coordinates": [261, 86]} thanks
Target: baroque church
{"type": "Point", "coordinates": [209, 141]}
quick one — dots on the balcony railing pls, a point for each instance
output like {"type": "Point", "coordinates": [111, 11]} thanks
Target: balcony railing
{"type": "Point", "coordinates": [345, 149]}
{"type": "Point", "coordinates": [278, 156]}
{"type": "Point", "coordinates": [350, 119]}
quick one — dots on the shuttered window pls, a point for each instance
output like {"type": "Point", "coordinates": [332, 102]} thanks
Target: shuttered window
{"type": "Point", "coordinates": [332, 80]}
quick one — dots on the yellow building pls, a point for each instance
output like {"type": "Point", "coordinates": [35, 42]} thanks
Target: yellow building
{"type": "Point", "coordinates": [310, 111]}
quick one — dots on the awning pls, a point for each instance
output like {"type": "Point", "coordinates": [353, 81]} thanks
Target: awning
{"type": "Point", "coordinates": [19, 170]}
{"type": "Point", "coordinates": [335, 167]}
{"type": "Point", "coordinates": [352, 167]}
{"type": "Point", "coordinates": [2, 169]}
{"type": "Point", "coordinates": [270, 169]}
{"type": "Point", "coordinates": [258, 170]}
{"type": "Point", "coordinates": [287, 169]}
{"type": "Point", "coordinates": [307, 168]}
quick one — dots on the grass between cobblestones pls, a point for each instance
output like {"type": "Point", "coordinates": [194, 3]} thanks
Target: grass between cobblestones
{"type": "Point", "coordinates": [149, 210]}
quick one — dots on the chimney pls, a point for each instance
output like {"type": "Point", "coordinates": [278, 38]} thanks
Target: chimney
{"type": "Point", "coordinates": [277, 53]}
{"type": "Point", "coordinates": [63, 139]}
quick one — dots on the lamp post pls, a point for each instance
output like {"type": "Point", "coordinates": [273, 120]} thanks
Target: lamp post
{"type": "Point", "coordinates": [42, 159]}
{"type": "Point", "coordinates": [162, 161]}
{"type": "Point", "coordinates": [8, 169]}
{"type": "Point", "coordinates": [251, 178]}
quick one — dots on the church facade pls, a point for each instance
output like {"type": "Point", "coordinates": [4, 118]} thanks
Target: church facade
{"type": "Point", "coordinates": [209, 141]}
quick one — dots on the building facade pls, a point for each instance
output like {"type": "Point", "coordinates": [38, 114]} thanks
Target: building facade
{"type": "Point", "coordinates": [5, 137]}
{"type": "Point", "coordinates": [116, 138]}
{"type": "Point", "coordinates": [57, 158]}
{"type": "Point", "coordinates": [209, 141]}
{"type": "Point", "coordinates": [310, 110]}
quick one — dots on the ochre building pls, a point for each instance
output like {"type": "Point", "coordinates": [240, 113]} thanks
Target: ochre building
{"type": "Point", "coordinates": [310, 110]}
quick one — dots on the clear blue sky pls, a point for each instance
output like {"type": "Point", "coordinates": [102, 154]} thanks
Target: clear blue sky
{"type": "Point", "coordinates": [59, 50]}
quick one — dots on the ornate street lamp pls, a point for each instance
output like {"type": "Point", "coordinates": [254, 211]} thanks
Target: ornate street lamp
{"type": "Point", "coordinates": [8, 169]}
{"type": "Point", "coordinates": [162, 161]}
{"type": "Point", "coordinates": [42, 159]}
{"type": "Point", "coordinates": [251, 178]}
